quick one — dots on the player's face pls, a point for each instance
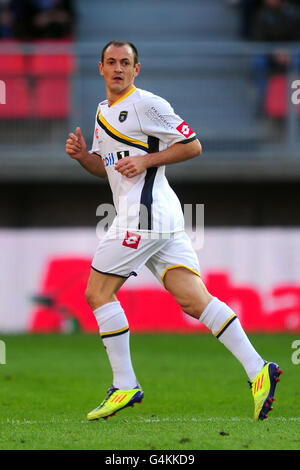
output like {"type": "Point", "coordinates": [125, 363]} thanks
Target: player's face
{"type": "Point", "coordinates": [118, 69]}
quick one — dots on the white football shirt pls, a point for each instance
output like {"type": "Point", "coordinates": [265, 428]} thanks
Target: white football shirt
{"type": "Point", "coordinates": [137, 124]}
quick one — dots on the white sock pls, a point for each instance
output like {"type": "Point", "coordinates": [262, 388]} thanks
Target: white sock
{"type": "Point", "coordinates": [225, 325]}
{"type": "Point", "coordinates": [114, 331]}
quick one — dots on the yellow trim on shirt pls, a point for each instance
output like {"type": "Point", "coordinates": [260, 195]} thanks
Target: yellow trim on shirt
{"type": "Point", "coordinates": [123, 97]}
{"type": "Point", "coordinates": [118, 134]}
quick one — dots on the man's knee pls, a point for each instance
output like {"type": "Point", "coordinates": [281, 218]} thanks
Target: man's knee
{"type": "Point", "coordinates": [188, 290]}
{"type": "Point", "coordinates": [194, 305]}
{"type": "Point", "coordinates": [102, 289]}
{"type": "Point", "coordinates": [96, 299]}
{"type": "Point", "coordinates": [90, 297]}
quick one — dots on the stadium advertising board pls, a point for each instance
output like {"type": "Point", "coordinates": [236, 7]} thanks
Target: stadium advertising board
{"type": "Point", "coordinates": [255, 271]}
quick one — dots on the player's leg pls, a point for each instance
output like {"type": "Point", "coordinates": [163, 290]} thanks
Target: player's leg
{"type": "Point", "coordinates": [190, 292]}
{"type": "Point", "coordinates": [113, 263]}
{"type": "Point", "coordinates": [101, 295]}
{"type": "Point", "coordinates": [176, 265]}
{"type": "Point", "coordinates": [102, 288]}
{"type": "Point", "coordinates": [188, 289]}
{"type": "Point", "coordinates": [194, 299]}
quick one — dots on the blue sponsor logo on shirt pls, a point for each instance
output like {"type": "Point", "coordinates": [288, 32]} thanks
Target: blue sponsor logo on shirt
{"type": "Point", "coordinates": [110, 158]}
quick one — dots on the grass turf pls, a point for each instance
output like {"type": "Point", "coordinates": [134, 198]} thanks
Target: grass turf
{"type": "Point", "coordinates": [196, 395]}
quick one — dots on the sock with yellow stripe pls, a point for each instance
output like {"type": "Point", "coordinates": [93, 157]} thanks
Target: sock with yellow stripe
{"type": "Point", "coordinates": [226, 327]}
{"type": "Point", "coordinates": [114, 331]}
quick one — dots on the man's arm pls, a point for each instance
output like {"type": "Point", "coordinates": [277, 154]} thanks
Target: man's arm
{"type": "Point", "coordinates": [133, 166]}
{"type": "Point", "coordinates": [175, 153]}
{"type": "Point", "coordinates": [76, 149]}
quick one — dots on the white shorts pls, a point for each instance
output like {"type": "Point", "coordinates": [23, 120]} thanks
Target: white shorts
{"type": "Point", "coordinates": [126, 255]}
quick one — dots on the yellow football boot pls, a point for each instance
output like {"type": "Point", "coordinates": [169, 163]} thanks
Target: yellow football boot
{"type": "Point", "coordinates": [115, 401]}
{"type": "Point", "coordinates": [263, 389]}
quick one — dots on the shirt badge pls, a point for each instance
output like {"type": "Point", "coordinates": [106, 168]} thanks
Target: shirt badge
{"type": "Point", "coordinates": [123, 116]}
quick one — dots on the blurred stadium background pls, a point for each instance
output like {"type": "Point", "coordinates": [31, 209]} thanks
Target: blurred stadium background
{"type": "Point", "coordinates": [229, 77]}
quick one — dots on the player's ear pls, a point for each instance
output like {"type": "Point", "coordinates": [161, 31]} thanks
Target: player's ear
{"type": "Point", "coordinates": [137, 69]}
{"type": "Point", "coordinates": [100, 68]}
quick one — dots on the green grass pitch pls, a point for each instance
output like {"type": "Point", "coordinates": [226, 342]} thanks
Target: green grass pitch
{"type": "Point", "coordinates": [196, 395]}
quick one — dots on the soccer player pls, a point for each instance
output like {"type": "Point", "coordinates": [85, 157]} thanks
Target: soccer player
{"type": "Point", "coordinates": [136, 134]}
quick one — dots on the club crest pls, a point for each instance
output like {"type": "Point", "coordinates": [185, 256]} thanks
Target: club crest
{"type": "Point", "coordinates": [123, 116]}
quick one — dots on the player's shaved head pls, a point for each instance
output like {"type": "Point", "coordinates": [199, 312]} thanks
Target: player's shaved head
{"type": "Point", "coordinates": [120, 44]}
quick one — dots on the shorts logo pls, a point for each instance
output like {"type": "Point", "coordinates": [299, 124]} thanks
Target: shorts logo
{"type": "Point", "coordinates": [185, 130]}
{"type": "Point", "coordinates": [131, 240]}
{"type": "Point", "coordinates": [123, 116]}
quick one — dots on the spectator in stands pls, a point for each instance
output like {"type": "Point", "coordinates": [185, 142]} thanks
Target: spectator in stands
{"type": "Point", "coordinates": [6, 20]}
{"type": "Point", "coordinates": [247, 12]}
{"type": "Point", "coordinates": [44, 19]}
{"type": "Point", "coordinates": [276, 21]}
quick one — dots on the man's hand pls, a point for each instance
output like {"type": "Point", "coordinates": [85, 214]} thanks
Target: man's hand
{"type": "Point", "coordinates": [76, 149]}
{"type": "Point", "coordinates": [131, 166]}
{"type": "Point", "coordinates": [179, 152]}
{"type": "Point", "coordinates": [75, 145]}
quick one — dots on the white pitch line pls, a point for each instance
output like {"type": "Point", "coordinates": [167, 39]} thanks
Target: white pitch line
{"type": "Point", "coordinates": [153, 420]}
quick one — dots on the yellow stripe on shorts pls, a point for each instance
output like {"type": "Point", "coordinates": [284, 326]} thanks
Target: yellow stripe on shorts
{"type": "Point", "coordinates": [178, 266]}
